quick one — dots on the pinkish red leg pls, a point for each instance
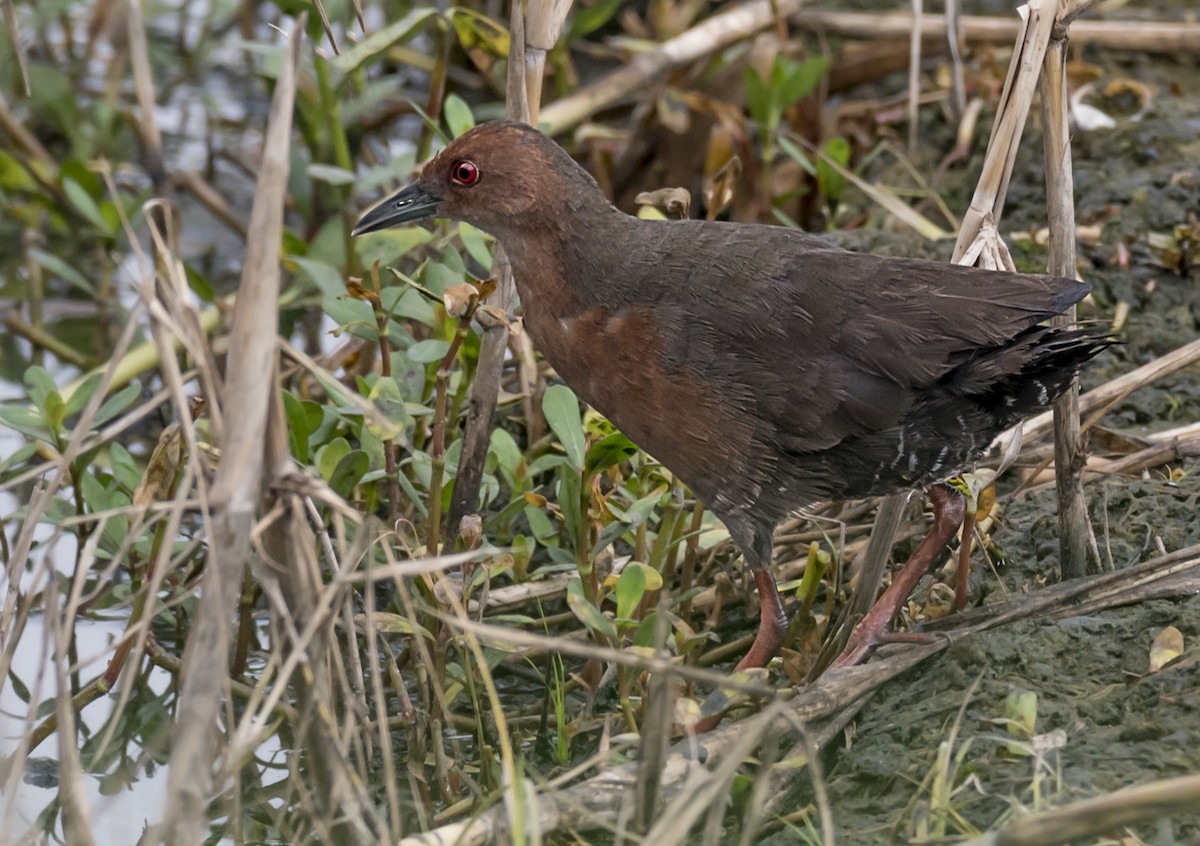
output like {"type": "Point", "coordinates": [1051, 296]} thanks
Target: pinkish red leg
{"type": "Point", "coordinates": [772, 629]}
{"type": "Point", "coordinates": [949, 506]}
{"type": "Point", "coordinates": [963, 572]}
{"type": "Point", "coordinates": [772, 623]}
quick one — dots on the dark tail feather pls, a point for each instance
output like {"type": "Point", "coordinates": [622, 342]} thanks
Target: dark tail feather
{"type": "Point", "coordinates": [1057, 355]}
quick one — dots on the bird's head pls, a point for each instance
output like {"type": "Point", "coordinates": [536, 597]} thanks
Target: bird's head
{"type": "Point", "coordinates": [501, 176]}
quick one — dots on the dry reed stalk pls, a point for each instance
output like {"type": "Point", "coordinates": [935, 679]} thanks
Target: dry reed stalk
{"type": "Point", "coordinates": [1011, 113]}
{"type": "Point", "coordinates": [914, 75]}
{"type": "Point", "coordinates": [521, 101]}
{"type": "Point", "coordinates": [704, 39]}
{"type": "Point", "coordinates": [236, 489]}
{"type": "Point", "coordinates": [1169, 37]}
{"type": "Point", "coordinates": [1154, 455]}
{"type": "Point", "coordinates": [76, 819]}
{"type": "Point", "coordinates": [18, 48]}
{"type": "Point", "coordinates": [543, 24]}
{"type": "Point", "coordinates": [1075, 538]}
{"type": "Point", "coordinates": [143, 88]}
{"type": "Point", "coordinates": [1100, 815]}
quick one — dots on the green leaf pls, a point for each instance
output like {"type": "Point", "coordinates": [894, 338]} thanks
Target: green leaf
{"type": "Point", "coordinates": [758, 98]}
{"type": "Point", "coordinates": [428, 351]}
{"type": "Point", "coordinates": [610, 450]}
{"type": "Point", "coordinates": [18, 456]}
{"type": "Point", "coordinates": [396, 168]}
{"type": "Point", "coordinates": [388, 245]}
{"type": "Point", "coordinates": [797, 155]}
{"type": "Point", "coordinates": [587, 613]}
{"type": "Point", "coordinates": [303, 419]}
{"type": "Point", "coordinates": [379, 42]}
{"type": "Point", "coordinates": [569, 490]}
{"type": "Point", "coordinates": [83, 393]}
{"type": "Point", "coordinates": [39, 384]}
{"type": "Point", "coordinates": [458, 114]}
{"type": "Point", "coordinates": [330, 174]}
{"type": "Point", "coordinates": [507, 453]}
{"type": "Point", "coordinates": [800, 79]}
{"type": "Point", "coordinates": [541, 526]}
{"type": "Point", "coordinates": [352, 315]}
{"type": "Point", "coordinates": [85, 205]}
{"type": "Point", "coordinates": [475, 242]}
{"type": "Point", "coordinates": [385, 393]}
{"type": "Point", "coordinates": [330, 455]}
{"type": "Point", "coordinates": [14, 176]}
{"type": "Point", "coordinates": [631, 587]}
{"type": "Point", "coordinates": [476, 30]}
{"type": "Point", "coordinates": [608, 535]}
{"type": "Point", "coordinates": [349, 472]}
{"type": "Point", "coordinates": [55, 266]}
{"type": "Point", "coordinates": [561, 408]}
{"type": "Point", "coordinates": [830, 180]}
{"type": "Point", "coordinates": [116, 404]}
{"type": "Point", "coordinates": [400, 301]}
{"type": "Point", "coordinates": [19, 687]}
{"type": "Point", "coordinates": [26, 421]}
{"type": "Point", "coordinates": [589, 18]}
{"type": "Point", "coordinates": [328, 279]}
{"type": "Point", "coordinates": [125, 469]}
{"type": "Point", "coordinates": [56, 411]}
{"type": "Point", "coordinates": [647, 628]}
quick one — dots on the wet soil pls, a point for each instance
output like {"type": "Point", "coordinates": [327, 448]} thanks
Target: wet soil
{"type": "Point", "coordinates": [1120, 724]}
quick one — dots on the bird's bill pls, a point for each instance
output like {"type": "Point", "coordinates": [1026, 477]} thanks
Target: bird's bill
{"type": "Point", "coordinates": [411, 203]}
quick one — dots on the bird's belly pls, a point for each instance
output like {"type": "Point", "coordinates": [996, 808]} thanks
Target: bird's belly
{"type": "Point", "coordinates": [614, 361]}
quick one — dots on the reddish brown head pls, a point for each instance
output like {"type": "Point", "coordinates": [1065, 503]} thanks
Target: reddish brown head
{"type": "Point", "coordinates": [502, 177]}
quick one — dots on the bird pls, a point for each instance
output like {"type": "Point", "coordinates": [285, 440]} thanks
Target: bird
{"type": "Point", "coordinates": [764, 367]}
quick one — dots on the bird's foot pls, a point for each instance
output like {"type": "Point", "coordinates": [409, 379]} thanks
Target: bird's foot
{"type": "Point", "coordinates": [772, 629]}
{"type": "Point", "coordinates": [863, 642]}
{"type": "Point", "coordinates": [875, 629]}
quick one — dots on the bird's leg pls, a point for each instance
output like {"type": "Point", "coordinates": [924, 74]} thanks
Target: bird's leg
{"type": "Point", "coordinates": [772, 623]}
{"type": "Point", "coordinates": [949, 506]}
{"type": "Point", "coordinates": [772, 629]}
{"type": "Point", "coordinates": [962, 573]}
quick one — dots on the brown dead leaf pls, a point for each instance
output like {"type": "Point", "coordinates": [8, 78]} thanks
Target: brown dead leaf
{"type": "Point", "coordinates": [673, 202]}
{"type": "Point", "coordinates": [159, 478]}
{"type": "Point", "coordinates": [458, 299]}
{"type": "Point", "coordinates": [1166, 649]}
{"type": "Point", "coordinates": [355, 290]}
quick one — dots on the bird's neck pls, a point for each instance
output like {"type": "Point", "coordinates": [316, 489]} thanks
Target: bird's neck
{"type": "Point", "coordinates": [570, 263]}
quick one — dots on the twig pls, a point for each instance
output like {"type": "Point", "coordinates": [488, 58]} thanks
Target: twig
{"type": "Point", "coordinates": [42, 339]}
{"type": "Point", "coordinates": [1169, 37]}
{"type": "Point", "coordinates": [714, 34]}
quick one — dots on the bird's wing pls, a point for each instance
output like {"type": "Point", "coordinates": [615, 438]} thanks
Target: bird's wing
{"type": "Point", "coordinates": [820, 344]}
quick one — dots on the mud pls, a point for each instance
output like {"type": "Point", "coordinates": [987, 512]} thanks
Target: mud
{"type": "Point", "coordinates": [1121, 724]}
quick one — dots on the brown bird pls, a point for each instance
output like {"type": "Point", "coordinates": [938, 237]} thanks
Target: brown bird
{"type": "Point", "coordinates": [765, 368]}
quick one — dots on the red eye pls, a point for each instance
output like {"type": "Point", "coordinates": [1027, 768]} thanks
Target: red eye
{"type": "Point", "coordinates": [465, 173]}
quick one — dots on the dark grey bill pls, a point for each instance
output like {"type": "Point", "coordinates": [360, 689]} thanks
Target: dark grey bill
{"type": "Point", "coordinates": [411, 203]}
